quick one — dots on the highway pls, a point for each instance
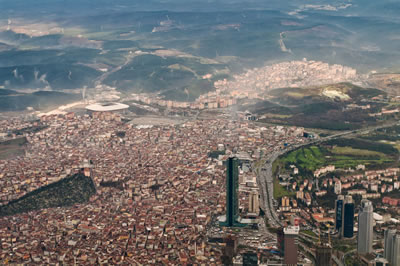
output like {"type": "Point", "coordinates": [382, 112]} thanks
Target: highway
{"type": "Point", "coordinates": [265, 178]}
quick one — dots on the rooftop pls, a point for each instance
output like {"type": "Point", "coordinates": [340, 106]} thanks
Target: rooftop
{"type": "Point", "coordinates": [106, 107]}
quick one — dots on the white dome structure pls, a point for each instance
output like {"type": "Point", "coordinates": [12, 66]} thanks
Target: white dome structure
{"type": "Point", "coordinates": [106, 107]}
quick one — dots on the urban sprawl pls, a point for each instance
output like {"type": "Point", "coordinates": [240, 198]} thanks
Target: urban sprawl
{"type": "Point", "coordinates": [195, 192]}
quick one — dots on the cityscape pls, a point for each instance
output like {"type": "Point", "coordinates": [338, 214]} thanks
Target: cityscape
{"type": "Point", "coordinates": [200, 133]}
{"type": "Point", "coordinates": [200, 191]}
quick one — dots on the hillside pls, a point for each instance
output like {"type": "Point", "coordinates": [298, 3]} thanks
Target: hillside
{"type": "Point", "coordinates": [342, 106]}
{"type": "Point", "coordinates": [176, 78]}
{"type": "Point", "coordinates": [116, 44]}
{"type": "Point", "coordinates": [15, 101]}
{"type": "Point", "coordinates": [66, 192]}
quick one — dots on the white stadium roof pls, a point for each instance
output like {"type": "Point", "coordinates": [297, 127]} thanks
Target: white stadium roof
{"type": "Point", "coordinates": [106, 107]}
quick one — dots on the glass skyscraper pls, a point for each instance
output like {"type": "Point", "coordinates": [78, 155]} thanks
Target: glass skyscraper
{"type": "Point", "coordinates": [232, 191]}
{"type": "Point", "coordinates": [348, 218]}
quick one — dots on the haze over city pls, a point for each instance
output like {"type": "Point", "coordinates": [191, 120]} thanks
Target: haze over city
{"type": "Point", "coordinates": [216, 132]}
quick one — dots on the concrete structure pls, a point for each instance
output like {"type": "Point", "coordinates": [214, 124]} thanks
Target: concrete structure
{"type": "Point", "coordinates": [280, 237]}
{"type": "Point", "coordinates": [388, 242]}
{"type": "Point", "coordinates": [106, 107]}
{"type": "Point", "coordinates": [395, 259]}
{"type": "Point", "coordinates": [290, 245]}
{"type": "Point", "coordinates": [230, 249]}
{"type": "Point", "coordinates": [254, 205]}
{"type": "Point", "coordinates": [323, 254]}
{"type": "Point", "coordinates": [347, 229]}
{"type": "Point", "coordinates": [250, 259]}
{"type": "Point", "coordinates": [107, 111]}
{"type": "Point", "coordinates": [365, 236]}
{"type": "Point", "coordinates": [381, 262]}
{"type": "Point", "coordinates": [338, 187]}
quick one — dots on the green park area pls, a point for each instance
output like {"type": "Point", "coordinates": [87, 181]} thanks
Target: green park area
{"type": "Point", "coordinates": [342, 153]}
{"type": "Point", "coordinates": [280, 191]}
{"type": "Point", "coordinates": [309, 158]}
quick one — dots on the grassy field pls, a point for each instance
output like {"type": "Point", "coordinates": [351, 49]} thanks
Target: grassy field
{"type": "Point", "coordinates": [280, 191]}
{"type": "Point", "coordinates": [357, 152]}
{"type": "Point", "coordinates": [310, 158]}
{"type": "Point", "coordinates": [342, 154]}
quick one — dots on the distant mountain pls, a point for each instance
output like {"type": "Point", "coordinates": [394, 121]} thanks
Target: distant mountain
{"type": "Point", "coordinates": [14, 101]}
{"type": "Point", "coordinates": [118, 43]}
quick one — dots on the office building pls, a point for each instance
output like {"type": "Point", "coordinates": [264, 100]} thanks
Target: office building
{"type": "Point", "coordinates": [347, 229]}
{"type": "Point", "coordinates": [388, 243]}
{"type": "Point", "coordinates": [290, 246]}
{"type": "Point", "coordinates": [323, 254]}
{"type": "Point", "coordinates": [254, 205]}
{"type": "Point", "coordinates": [232, 191]}
{"type": "Point", "coordinates": [339, 213]}
{"type": "Point", "coordinates": [280, 237]}
{"type": "Point", "coordinates": [395, 260]}
{"type": "Point", "coordinates": [230, 250]}
{"type": "Point", "coordinates": [338, 187]}
{"type": "Point", "coordinates": [250, 259]}
{"type": "Point", "coordinates": [365, 236]}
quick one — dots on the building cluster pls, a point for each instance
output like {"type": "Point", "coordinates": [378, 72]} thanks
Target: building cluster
{"type": "Point", "coordinates": [211, 100]}
{"type": "Point", "coordinates": [167, 189]}
{"type": "Point", "coordinates": [10, 128]}
{"type": "Point", "coordinates": [255, 82]}
{"type": "Point", "coordinates": [374, 183]}
{"type": "Point", "coordinates": [306, 194]}
{"type": "Point", "coordinates": [324, 170]}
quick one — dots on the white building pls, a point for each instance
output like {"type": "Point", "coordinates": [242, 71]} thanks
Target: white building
{"type": "Point", "coordinates": [254, 205]}
{"type": "Point", "coordinates": [338, 188]}
{"type": "Point", "coordinates": [365, 236]}
{"type": "Point", "coordinates": [389, 234]}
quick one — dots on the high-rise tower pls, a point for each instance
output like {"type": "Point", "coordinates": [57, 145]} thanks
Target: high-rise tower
{"type": "Point", "coordinates": [365, 236]}
{"type": "Point", "coordinates": [389, 234]}
{"type": "Point", "coordinates": [339, 212]}
{"type": "Point", "coordinates": [290, 245]}
{"type": "Point", "coordinates": [395, 261]}
{"type": "Point", "coordinates": [232, 190]}
{"type": "Point", "coordinates": [323, 251]}
{"type": "Point", "coordinates": [323, 254]}
{"type": "Point", "coordinates": [254, 206]}
{"type": "Point", "coordinates": [347, 229]}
